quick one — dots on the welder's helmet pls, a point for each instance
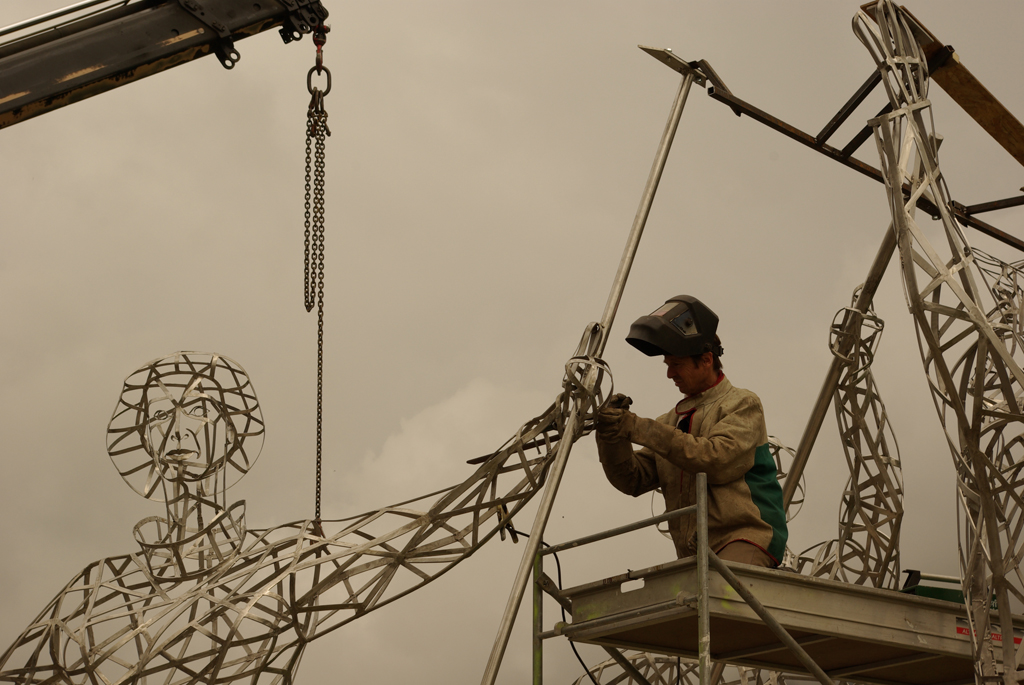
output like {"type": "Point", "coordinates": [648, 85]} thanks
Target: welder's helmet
{"type": "Point", "coordinates": [682, 327]}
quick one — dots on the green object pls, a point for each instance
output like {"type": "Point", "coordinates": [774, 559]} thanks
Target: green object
{"type": "Point", "coordinates": [945, 594]}
{"type": "Point", "coordinates": [766, 493]}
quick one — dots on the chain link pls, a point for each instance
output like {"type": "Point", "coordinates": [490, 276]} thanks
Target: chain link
{"type": "Point", "coordinates": [307, 283]}
{"type": "Point", "coordinates": [313, 278]}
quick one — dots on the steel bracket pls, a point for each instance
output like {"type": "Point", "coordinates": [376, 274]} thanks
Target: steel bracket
{"type": "Point", "coordinates": [302, 16]}
{"type": "Point", "coordinates": [676, 63]}
{"type": "Point", "coordinates": [223, 46]}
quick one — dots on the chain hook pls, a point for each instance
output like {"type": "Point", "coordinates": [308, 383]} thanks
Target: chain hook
{"type": "Point", "coordinates": [319, 40]}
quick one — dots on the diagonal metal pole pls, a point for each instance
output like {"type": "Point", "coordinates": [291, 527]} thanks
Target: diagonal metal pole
{"type": "Point", "coordinates": [703, 552]}
{"type": "Point", "coordinates": [828, 388]}
{"type": "Point", "coordinates": [627, 666]}
{"type": "Point", "coordinates": [562, 454]}
{"type": "Point", "coordinates": [766, 617]}
{"type": "Point", "coordinates": [835, 369]}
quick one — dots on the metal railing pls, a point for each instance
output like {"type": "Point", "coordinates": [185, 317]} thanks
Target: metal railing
{"type": "Point", "coordinates": [706, 559]}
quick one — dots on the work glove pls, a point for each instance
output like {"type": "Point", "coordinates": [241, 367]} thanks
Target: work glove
{"type": "Point", "coordinates": [614, 420]}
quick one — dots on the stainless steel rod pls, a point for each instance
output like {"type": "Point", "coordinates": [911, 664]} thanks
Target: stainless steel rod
{"type": "Point", "coordinates": [538, 621]}
{"type": "Point", "coordinates": [562, 453]}
{"type": "Point", "coordinates": [769, 620]}
{"type": "Point", "coordinates": [532, 544]}
{"type": "Point", "coordinates": [835, 370]}
{"type": "Point", "coordinates": [628, 528]}
{"type": "Point", "coordinates": [640, 220]}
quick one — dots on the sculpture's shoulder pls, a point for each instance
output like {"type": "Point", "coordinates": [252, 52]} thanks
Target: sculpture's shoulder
{"type": "Point", "coordinates": [280, 540]}
{"type": "Point", "coordinates": [297, 535]}
{"type": "Point", "coordinates": [269, 556]}
{"type": "Point", "coordinates": [92, 607]}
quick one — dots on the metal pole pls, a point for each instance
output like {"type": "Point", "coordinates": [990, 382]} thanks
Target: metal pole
{"type": "Point", "coordinates": [646, 200]}
{"type": "Point", "coordinates": [565, 445]}
{"type": "Point", "coordinates": [538, 621]}
{"type": "Point", "coordinates": [828, 388]}
{"type": "Point", "coordinates": [628, 528]}
{"type": "Point", "coordinates": [703, 551]}
{"type": "Point", "coordinates": [533, 544]}
{"type": "Point", "coordinates": [627, 666]}
{"type": "Point", "coordinates": [770, 621]}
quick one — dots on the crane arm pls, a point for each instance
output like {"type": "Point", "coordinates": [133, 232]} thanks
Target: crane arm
{"type": "Point", "coordinates": [127, 41]}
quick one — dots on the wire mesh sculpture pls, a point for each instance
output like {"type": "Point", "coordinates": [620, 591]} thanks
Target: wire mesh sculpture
{"type": "Point", "coordinates": [969, 335]}
{"type": "Point", "coordinates": [783, 456]}
{"type": "Point", "coordinates": [660, 669]}
{"type": "Point", "coordinates": [866, 552]}
{"type": "Point", "coordinates": [207, 600]}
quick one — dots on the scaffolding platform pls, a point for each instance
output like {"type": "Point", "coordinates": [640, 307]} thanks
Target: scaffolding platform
{"type": "Point", "coordinates": [853, 632]}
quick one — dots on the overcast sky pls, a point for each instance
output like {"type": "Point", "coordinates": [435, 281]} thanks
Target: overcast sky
{"type": "Point", "coordinates": [485, 166]}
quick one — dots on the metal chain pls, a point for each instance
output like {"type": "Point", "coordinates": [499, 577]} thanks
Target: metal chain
{"type": "Point", "coordinates": [313, 279]}
{"type": "Point", "coordinates": [307, 283]}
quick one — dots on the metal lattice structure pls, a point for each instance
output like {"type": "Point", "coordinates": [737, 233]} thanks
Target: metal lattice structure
{"type": "Point", "coordinates": [205, 599]}
{"type": "Point", "coordinates": [783, 456]}
{"type": "Point", "coordinates": [967, 325]}
{"type": "Point", "coordinates": [659, 669]}
{"type": "Point", "coordinates": [656, 668]}
{"type": "Point", "coordinates": [866, 552]}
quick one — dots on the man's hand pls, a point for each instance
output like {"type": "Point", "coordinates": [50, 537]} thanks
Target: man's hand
{"type": "Point", "coordinates": [614, 420]}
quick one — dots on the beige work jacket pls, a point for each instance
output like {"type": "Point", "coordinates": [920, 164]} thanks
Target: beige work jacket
{"type": "Point", "coordinates": [727, 440]}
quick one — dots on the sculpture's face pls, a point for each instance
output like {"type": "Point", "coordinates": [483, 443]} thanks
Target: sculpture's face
{"type": "Point", "coordinates": [185, 418]}
{"type": "Point", "coordinates": [187, 436]}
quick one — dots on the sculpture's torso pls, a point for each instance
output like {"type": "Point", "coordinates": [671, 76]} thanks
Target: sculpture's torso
{"type": "Point", "coordinates": [120, 622]}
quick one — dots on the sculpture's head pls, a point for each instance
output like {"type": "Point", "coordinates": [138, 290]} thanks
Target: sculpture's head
{"type": "Point", "coordinates": [186, 420]}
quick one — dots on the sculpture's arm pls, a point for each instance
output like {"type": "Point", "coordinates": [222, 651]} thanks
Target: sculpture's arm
{"type": "Point", "coordinates": [329, 577]}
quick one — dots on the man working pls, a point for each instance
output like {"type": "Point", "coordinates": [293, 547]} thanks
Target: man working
{"type": "Point", "coordinates": [716, 429]}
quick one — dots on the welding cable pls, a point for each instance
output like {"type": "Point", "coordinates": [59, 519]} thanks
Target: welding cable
{"type": "Point", "coordinates": [558, 566]}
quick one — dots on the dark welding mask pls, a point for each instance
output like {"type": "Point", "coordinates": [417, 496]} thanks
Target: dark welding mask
{"type": "Point", "coordinates": [682, 327]}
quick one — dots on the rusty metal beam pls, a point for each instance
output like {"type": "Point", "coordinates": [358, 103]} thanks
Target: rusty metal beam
{"type": "Point", "coordinates": [866, 169]}
{"type": "Point", "coordinates": [995, 204]}
{"type": "Point", "coordinates": [936, 59]}
{"type": "Point", "coordinates": [846, 110]}
{"type": "Point", "coordinates": [792, 132]}
{"type": "Point", "coordinates": [69, 62]}
{"type": "Point", "coordinates": [966, 90]}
